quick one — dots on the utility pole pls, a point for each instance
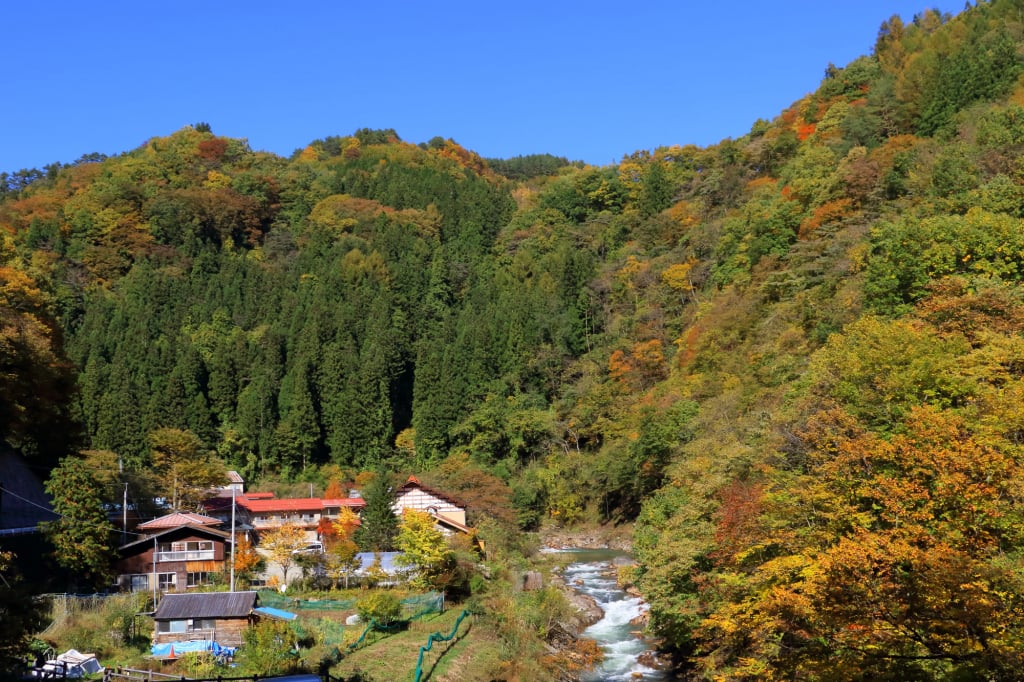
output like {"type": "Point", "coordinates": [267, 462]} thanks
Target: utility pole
{"type": "Point", "coordinates": [232, 537]}
{"type": "Point", "coordinates": [124, 515]}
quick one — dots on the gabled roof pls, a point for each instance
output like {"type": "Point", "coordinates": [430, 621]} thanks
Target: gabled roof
{"type": "Point", "coordinates": [206, 605]}
{"type": "Point", "coordinates": [414, 483]}
{"type": "Point", "coordinates": [201, 530]}
{"type": "Point", "coordinates": [451, 523]}
{"type": "Point", "coordinates": [176, 519]}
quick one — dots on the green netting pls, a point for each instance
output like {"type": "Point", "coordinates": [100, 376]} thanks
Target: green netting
{"type": "Point", "coordinates": [417, 605]}
{"type": "Point", "coordinates": [437, 637]}
{"type": "Point", "coordinates": [332, 632]}
{"type": "Point", "coordinates": [421, 605]}
{"type": "Point", "coordinates": [279, 601]}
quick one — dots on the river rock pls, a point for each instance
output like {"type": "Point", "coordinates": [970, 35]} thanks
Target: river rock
{"type": "Point", "coordinates": [642, 619]}
{"type": "Point", "coordinates": [653, 659]}
{"type": "Point", "coordinates": [588, 612]}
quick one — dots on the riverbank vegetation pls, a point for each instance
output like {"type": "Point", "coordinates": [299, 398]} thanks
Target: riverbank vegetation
{"type": "Point", "coordinates": [794, 357]}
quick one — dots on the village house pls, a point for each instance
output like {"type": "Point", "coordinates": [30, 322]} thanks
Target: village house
{"type": "Point", "coordinates": [448, 512]}
{"type": "Point", "coordinates": [221, 617]}
{"type": "Point", "coordinates": [261, 512]}
{"type": "Point", "coordinates": [176, 552]}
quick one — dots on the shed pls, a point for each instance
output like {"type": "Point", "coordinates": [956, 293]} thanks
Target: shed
{"type": "Point", "coordinates": [215, 616]}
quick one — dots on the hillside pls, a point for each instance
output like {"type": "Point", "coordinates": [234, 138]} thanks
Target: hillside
{"type": "Point", "coordinates": [794, 359]}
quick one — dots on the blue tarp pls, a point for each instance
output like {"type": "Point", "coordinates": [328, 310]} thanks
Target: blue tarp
{"type": "Point", "coordinates": [175, 649]}
{"type": "Point", "coordinates": [275, 613]}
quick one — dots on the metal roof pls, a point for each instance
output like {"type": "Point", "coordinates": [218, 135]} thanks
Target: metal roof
{"type": "Point", "coordinates": [200, 530]}
{"type": "Point", "coordinates": [298, 504]}
{"type": "Point", "coordinates": [175, 519]}
{"type": "Point", "coordinates": [206, 605]}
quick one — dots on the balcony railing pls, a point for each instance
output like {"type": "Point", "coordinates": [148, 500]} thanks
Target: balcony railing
{"type": "Point", "coordinates": [197, 555]}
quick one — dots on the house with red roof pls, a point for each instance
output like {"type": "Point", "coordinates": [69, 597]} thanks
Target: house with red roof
{"type": "Point", "coordinates": [261, 512]}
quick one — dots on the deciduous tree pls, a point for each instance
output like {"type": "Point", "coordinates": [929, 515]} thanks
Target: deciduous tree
{"type": "Point", "coordinates": [281, 543]}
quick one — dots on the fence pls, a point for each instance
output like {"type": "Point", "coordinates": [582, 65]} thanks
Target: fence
{"type": "Point", "coordinates": [437, 637]}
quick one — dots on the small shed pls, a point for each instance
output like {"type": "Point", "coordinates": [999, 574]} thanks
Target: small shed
{"type": "Point", "coordinates": [215, 616]}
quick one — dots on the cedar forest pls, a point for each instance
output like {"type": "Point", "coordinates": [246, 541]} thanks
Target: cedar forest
{"type": "Point", "coordinates": [794, 360]}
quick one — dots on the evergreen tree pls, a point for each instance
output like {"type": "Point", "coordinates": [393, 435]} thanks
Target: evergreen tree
{"type": "Point", "coordinates": [82, 535]}
{"type": "Point", "coordinates": [380, 525]}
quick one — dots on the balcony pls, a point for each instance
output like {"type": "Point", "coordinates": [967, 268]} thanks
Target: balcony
{"type": "Point", "coordinates": [195, 555]}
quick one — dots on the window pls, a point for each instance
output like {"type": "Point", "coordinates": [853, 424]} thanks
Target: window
{"type": "Point", "coordinates": [172, 626]}
{"type": "Point", "coordinates": [140, 582]}
{"type": "Point", "coordinates": [167, 581]}
{"type": "Point", "coordinates": [199, 578]}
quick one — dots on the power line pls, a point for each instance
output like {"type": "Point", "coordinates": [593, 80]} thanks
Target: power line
{"type": "Point", "coordinates": [56, 513]}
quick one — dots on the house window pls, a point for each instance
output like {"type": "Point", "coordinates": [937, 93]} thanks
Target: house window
{"type": "Point", "coordinates": [140, 582]}
{"type": "Point", "coordinates": [172, 626]}
{"type": "Point", "coordinates": [167, 581]}
{"type": "Point", "coordinates": [199, 578]}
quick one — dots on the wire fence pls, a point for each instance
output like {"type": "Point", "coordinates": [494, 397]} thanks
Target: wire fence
{"type": "Point", "coordinates": [332, 632]}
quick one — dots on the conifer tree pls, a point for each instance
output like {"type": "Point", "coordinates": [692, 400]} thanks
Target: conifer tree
{"type": "Point", "coordinates": [380, 525]}
{"type": "Point", "coordinates": [82, 535]}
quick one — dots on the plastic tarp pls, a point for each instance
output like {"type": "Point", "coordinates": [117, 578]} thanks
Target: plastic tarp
{"type": "Point", "coordinates": [72, 664]}
{"type": "Point", "coordinates": [387, 562]}
{"type": "Point", "coordinates": [175, 649]}
{"type": "Point", "coordinates": [275, 613]}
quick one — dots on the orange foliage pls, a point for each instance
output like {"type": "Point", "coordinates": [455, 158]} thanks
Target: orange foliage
{"type": "Point", "coordinates": [829, 212]}
{"type": "Point", "coordinates": [761, 182]}
{"type": "Point", "coordinates": [335, 490]}
{"type": "Point", "coordinates": [806, 130]}
{"type": "Point", "coordinates": [643, 365]}
{"type": "Point", "coordinates": [737, 518]}
{"type": "Point", "coordinates": [687, 344]}
{"type": "Point", "coordinates": [212, 149]}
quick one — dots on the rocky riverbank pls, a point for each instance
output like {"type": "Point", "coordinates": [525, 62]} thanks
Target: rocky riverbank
{"type": "Point", "coordinates": [589, 537]}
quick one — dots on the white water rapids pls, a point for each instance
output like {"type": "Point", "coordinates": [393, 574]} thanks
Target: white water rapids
{"type": "Point", "coordinates": [593, 574]}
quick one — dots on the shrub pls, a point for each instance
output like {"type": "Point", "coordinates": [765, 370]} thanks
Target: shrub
{"type": "Point", "coordinates": [383, 607]}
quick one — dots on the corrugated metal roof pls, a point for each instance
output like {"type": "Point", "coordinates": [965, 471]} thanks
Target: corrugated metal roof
{"type": "Point", "coordinates": [307, 504]}
{"type": "Point", "coordinates": [205, 605]}
{"type": "Point", "coordinates": [279, 614]}
{"type": "Point", "coordinates": [175, 519]}
{"type": "Point", "coordinates": [201, 530]}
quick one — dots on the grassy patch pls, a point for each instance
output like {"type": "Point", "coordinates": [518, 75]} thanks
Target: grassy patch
{"type": "Point", "coordinates": [393, 657]}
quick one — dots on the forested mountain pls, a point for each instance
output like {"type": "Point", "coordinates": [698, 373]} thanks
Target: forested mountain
{"type": "Point", "coordinates": [795, 358]}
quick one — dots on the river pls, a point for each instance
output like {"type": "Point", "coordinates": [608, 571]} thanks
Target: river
{"type": "Point", "coordinates": [593, 573]}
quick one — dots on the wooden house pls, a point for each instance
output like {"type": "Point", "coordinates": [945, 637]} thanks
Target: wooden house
{"type": "Point", "coordinates": [448, 512]}
{"type": "Point", "coordinates": [222, 617]}
{"type": "Point", "coordinates": [175, 556]}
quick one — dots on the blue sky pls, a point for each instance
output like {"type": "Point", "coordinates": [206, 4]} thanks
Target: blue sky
{"type": "Point", "coordinates": [590, 81]}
